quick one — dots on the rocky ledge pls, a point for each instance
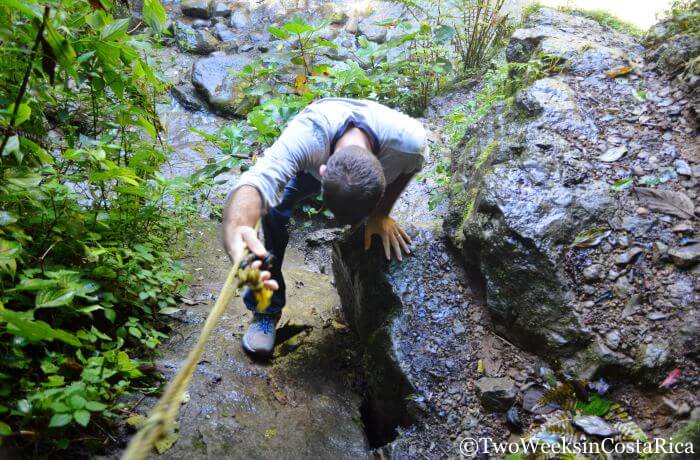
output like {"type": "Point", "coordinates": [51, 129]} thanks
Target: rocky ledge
{"type": "Point", "coordinates": [577, 203]}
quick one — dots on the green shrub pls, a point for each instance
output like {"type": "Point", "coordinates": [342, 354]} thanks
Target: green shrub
{"type": "Point", "coordinates": [86, 219]}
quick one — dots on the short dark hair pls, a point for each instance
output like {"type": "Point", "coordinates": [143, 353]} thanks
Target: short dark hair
{"type": "Point", "coordinates": [353, 184]}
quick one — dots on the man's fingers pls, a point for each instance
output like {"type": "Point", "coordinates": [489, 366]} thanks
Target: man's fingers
{"type": "Point", "coordinates": [387, 247]}
{"type": "Point", "coordinates": [271, 284]}
{"type": "Point", "coordinates": [267, 282]}
{"type": "Point", "coordinates": [405, 236]}
{"type": "Point", "coordinates": [402, 242]}
{"type": "Point", "coordinates": [397, 248]}
{"type": "Point", "coordinates": [254, 244]}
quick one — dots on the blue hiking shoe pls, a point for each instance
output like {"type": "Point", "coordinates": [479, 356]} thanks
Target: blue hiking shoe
{"type": "Point", "coordinates": [259, 339]}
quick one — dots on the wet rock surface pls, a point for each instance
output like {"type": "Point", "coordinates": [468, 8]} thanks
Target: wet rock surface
{"type": "Point", "coordinates": [533, 175]}
{"type": "Point", "coordinates": [215, 79]}
{"type": "Point", "coordinates": [304, 404]}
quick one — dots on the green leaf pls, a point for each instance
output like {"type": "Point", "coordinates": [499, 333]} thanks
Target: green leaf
{"type": "Point", "coordinates": [23, 113]}
{"type": "Point", "coordinates": [5, 429]}
{"type": "Point", "coordinates": [23, 179]}
{"type": "Point", "coordinates": [9, 250]}
{"type": "Point", "coordinates": [23, 7]}
{"type": "Point", "coordinates": [82, 417]}
{"type": "Point", "coordinates": [590, 237]}
{"type": "Point", "coordinates": [327, 43]}
{"type": "Point", "coordinates": [154, 15]}
{"type": "Point", "coordinates": [62, 49]}
{"type": "Point", "coordinates": [279, 33]}
{"type": "Point", "coordinates": [77, 402]}
{"type": "Point", "coordinates": [148, 126]}
{"type": "Point", "coordinates": [115, 30]}
{"type": "Point", "coordinates": [95, 406]}
{"type": "Point", "coordinates": [23, 325]}
{"type": "Point", "coordinates": [298, 26]}
{"type": "Point", "coordinates": [168, 310]}
{"type": "Point", "coordinates": [108, 53]}
{"type": "Point", "coordinates": [59, 420]}
{"type": "Point", "coordinates": [622, 184]}
{"type": "Point", "coordinates": [54, 298]}
{"type": "Point", "coordinates": [59, 407]}
{"type": "Point", "coordinates": [595, 406]}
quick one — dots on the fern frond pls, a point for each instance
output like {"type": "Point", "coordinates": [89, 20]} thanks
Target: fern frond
{"type": "Point", "coordinates": [564, 395]}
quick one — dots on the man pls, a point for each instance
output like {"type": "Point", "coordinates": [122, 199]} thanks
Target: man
{"type": "Point", "coordinates": [359, 154]}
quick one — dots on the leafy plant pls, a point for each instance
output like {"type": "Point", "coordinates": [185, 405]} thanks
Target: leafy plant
{"type": "Point", "coordinates": [86, 219]}
{"type": "Point", "coordinates": [306, 43]}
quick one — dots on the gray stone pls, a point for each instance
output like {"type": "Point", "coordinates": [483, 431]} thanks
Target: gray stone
{"type": "Point", "coordinates": [628, 256]}
{"type": "Point", "coordinates": [224, 33]}
{"type": "Point", "coordinates": [197, 8]}
{"type": "Point", "coordinates": [195, 41]}
{"type": "Point", "coordinates": [221, 10]}
{"type": "Point", "coordinates": [623, 288]}
{"type": "Point", "coordinates": [333, 12]}
{"type": "Point", "coordinates": [682, 167]}
{"type": "Point", "coordinates": [612, 339]}
{"type": "Point", "coordinates": [240, 20]}
{"type": "Point", "coordinates": [496, 394]}
{"type": "Point", "coordinates": [685, 256]}
{"type": "Point", "coordinates": [593, 272]}
{"type": "Point", "coordinates": [695, 414]}
{"type": "Point", "coordinates": [200, 24]}
{"type": "Point", "coordinates": [594, 425]}
{"type": "Point", "coordinates": [531, 401]}
{"type": "Point", "coordinates": [576, 42]}
{"type": "Point", "coordinates": [215, 79]}
{"type": "Point", "coordinates": [186, 95]}
{"type": "Point", "coordinates": [653, 359]}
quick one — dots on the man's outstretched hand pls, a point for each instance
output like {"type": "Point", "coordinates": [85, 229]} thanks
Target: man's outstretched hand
{"type": "Point", "coordinates": [246, 237]}
{"type": "Point", "coordinates": [393, 236]}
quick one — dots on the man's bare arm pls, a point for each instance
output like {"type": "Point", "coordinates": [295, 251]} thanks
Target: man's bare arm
{"type": "Point", "coordinates": [241, 212]}
{"type": "Point", "coordinates": [392, 193]}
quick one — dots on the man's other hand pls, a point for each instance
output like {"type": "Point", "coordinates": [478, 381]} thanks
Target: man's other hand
{"type": "Point", "coordinates": [393, 236]}
{"type": "Point", "coordinates": [246, 237]}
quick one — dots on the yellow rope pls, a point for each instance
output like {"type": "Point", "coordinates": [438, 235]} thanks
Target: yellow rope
{"type": "Point", "coordinates": [163, 415]}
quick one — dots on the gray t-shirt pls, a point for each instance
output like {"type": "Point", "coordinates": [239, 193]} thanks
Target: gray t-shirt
{"type": "Point", "coordinates": [398, 141]}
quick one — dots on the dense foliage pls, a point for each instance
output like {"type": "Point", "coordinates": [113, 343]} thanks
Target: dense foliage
{"type": "Point", "coordinates": [85, 216]}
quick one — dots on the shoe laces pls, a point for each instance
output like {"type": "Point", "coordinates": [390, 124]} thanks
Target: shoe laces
{"type": "Point", "coordinates": [265, 323]}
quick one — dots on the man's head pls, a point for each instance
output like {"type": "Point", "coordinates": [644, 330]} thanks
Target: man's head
{"type": "Point", "coordinates": [352, 184]}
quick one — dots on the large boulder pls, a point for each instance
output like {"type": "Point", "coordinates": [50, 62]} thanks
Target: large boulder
{"type": "Point", "coordinates": [512, 216]}
{"type": "Point", "coordinates": [215, 79]}
{"type": "Point", "coordinates": [202, 9]}
{"type": "Point", "coordinates": [412, 319]}
{"type": "Point", "coordinates": [570, 262]}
